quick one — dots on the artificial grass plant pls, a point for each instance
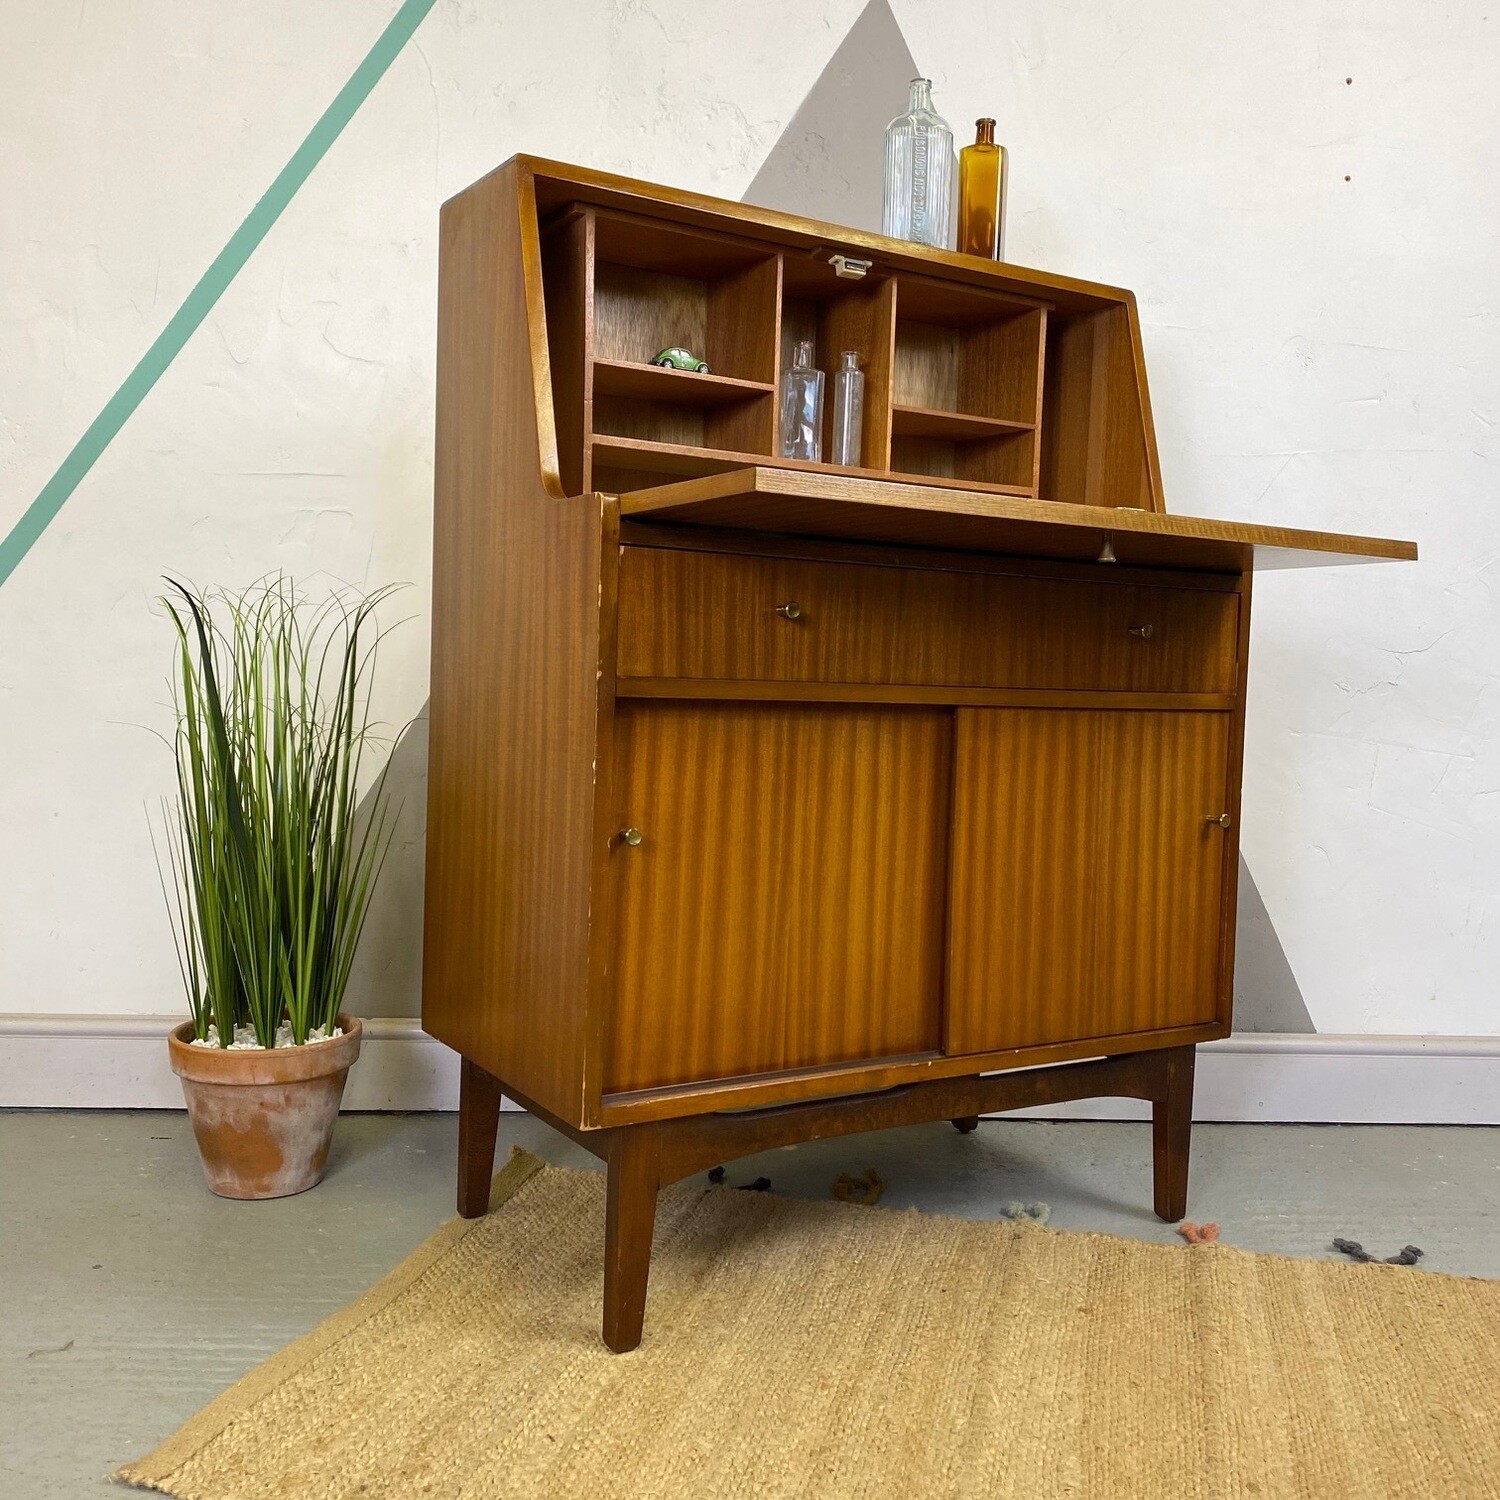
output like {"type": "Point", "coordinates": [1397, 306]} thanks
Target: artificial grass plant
{"type": "Point", "coordinates": [268, 869]}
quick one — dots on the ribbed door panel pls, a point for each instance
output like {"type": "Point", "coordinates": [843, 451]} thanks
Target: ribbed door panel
{"type": "Point", "coordinates": [1161, 871]}
{"type": "Point", "coordinates": [1086, 878]}
{"type": "Point", "coordinates": [1020, 940]}
{"type": "Point", "coordinates": [784, 907]}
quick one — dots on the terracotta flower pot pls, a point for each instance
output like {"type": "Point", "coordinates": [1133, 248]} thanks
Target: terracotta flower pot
{"type": "Point", "coordinates": [263, 1119]}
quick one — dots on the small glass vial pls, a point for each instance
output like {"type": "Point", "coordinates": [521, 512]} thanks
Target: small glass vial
{"type": "Point", "coordinates": [848, 411]}
{"type": "Point", "coordinates": [802, 407]}
{"type": "Point", "coordinates": [981, 194]}
{"type": "Point", "coordinates": [918, 172]}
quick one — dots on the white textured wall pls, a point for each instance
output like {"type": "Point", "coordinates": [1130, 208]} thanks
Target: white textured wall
{"type": "Point", "coordinates": [1322, 351]}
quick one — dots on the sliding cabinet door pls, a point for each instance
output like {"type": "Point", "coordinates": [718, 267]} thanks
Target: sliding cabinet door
{"type": "Point", "coordinates": [1087, 875]}
{"type": "Point", "coordinates": [1160, 880]}
{"type": "Point", "coordinates": [1021, 932]}
{"type": "Point", "coordinates": [784, 906]}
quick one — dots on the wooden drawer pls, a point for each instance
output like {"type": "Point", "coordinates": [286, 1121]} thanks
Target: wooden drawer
{"type": "Point", "coordinates": [726, 616]}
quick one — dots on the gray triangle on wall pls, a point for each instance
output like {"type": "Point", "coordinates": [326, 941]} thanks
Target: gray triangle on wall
{"type": "Point", "coordinates": [828, 163]}
{"type": "Point", "coordinates": [1267, 996]}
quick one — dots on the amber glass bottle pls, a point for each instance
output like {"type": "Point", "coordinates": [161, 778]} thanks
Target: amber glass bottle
{"type": "Point", "coordinates": [981, 194]}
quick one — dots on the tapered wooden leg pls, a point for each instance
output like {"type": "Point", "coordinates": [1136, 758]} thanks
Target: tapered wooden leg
{"type": "Point", "coordinates": [1171, 1132]}
{"type": "Point", "coordinates": [630, 1215]}
{"type": "Point", "coordinates": [478, 1121]}
{"type": "Point", "coordinates": [965, 1123]}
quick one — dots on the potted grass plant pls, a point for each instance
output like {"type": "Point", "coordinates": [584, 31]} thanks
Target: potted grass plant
{"type": "Point", "coordinates": [268, 867]}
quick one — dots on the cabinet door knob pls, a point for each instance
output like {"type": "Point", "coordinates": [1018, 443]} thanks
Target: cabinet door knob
{"type": "Point", "coordinates": [791, 610]}
{"type": "Point", "coordinates": [1145, 632]}
{"type": "Point", "coordinates": [1220, 820]}
{"type": "Point", "coordinates": [631, 836]}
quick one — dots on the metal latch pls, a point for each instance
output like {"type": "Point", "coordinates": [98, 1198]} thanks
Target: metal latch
{"type": "Point", "coordinates": [851, 267]}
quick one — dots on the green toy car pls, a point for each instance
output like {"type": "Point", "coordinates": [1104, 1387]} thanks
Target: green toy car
{"type": "Point", "coordinates": [680, 359]}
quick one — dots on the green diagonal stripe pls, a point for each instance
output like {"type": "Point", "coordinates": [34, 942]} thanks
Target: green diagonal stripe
{"type": "Point", "coordinates": [211, 285]}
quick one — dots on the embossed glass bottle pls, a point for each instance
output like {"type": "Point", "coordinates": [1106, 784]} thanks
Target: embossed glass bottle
{"type": "Point", "coordinates": [918, 172]}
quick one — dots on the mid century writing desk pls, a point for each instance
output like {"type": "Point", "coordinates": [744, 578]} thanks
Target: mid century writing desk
{"type": "Point", "coordinates": [772, 800]}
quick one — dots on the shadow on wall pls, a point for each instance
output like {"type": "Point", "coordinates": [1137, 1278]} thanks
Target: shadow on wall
{"type": "Point", "coordinates": [827, 165]}
{"type": "Point", "coordinates": [386, 979]}
{"type": "Point", "coordinates": [828, 162]}
{"type": "Point", "coordinates": [1267, 996]}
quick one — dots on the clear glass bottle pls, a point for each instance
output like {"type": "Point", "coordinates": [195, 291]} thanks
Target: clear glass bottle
{"type": "Point", "coordinates": [848, 411]}
{"type": "Point", "coordinates": [981, 194]}
{"type": "Point", "coordinates": [918, 172]}
{"type": "Point", "coordinates": [802, 407]}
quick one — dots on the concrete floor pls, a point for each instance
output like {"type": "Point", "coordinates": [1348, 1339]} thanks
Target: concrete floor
{"type": "Point", "coordinates": [129, 1296]}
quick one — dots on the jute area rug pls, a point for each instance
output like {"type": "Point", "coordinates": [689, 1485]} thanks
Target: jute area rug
{"type": "Point", "coordinates": [822, 1349]}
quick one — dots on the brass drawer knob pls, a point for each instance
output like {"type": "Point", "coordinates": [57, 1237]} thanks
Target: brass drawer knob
{"type": "Point", "coordinates": [791, 610]}
{"type": "Point", "coordinates": [631, 836]}
{"type": "Point", "coordinates": [1220, 820]}
{"type": "Point", "coordinates": [1144, 632]}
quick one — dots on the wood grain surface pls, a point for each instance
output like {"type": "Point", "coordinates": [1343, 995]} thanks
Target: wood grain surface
{"type": "Point", "coordinates": [828, 505]}
{"type": "Point", "coordinates": [701, 614]}
{"type": "Point", "coordinates": [1085, 890]}
{"type": "Point", "coordinates": [640, 463]}
{"type": "Point", "coordinates": [1159, 881]}
{"type": "Point", "coordinates": [785, 905]}
{"type": "Point", "coordinates": [518, 660]}
{"type": "Point", "coordinates": [1022, 934]}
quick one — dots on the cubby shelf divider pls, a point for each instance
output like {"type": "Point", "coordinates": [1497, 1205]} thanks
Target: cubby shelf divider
{"type": "Point", "coordinates": [958, 391]}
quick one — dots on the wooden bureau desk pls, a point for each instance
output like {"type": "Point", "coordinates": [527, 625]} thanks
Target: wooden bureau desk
{"type": "Point", "coordinates": [771, 800]}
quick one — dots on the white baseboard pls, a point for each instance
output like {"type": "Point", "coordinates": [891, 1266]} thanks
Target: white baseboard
{"type": "Point", "coordinates": [1301, 1078]}
{"type": "Point", "coordinates": [120, 1062]}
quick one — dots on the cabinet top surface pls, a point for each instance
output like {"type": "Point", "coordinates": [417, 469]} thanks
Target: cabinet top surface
{"type": "Point", "coordinates": [558, 185]}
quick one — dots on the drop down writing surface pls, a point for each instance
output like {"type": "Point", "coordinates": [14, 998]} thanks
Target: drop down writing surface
{"type": "Point", "coordinates": [787, 501]}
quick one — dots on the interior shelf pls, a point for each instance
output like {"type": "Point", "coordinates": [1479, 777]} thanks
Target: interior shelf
{"type": "Point", "coordinates": [639, 455]}
{"type": "Point", "coordinates": [653, 457]}
{"type": "Point", "coordinates": [954, 426]}
{"type": "Point", "coordinates": [967, 352]}
{"type": "Point", "coordinates": [656, 287]}
{"type": "Point", "coordinates": [645, 382]}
